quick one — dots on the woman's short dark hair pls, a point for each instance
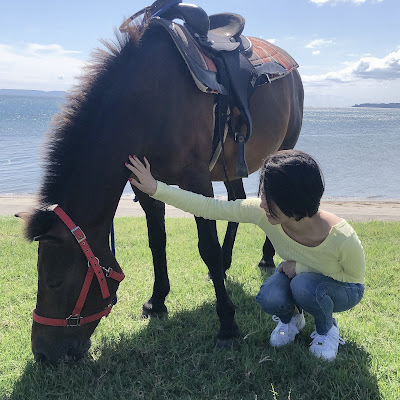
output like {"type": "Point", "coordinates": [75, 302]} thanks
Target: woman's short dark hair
{"type": "Point", "coordinates": [293, 181]}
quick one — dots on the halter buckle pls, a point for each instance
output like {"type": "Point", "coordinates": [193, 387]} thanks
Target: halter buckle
{"type": "Point", "coordinates": [73, 321]}
{"type": "Point", "coordinates": [79, 234]}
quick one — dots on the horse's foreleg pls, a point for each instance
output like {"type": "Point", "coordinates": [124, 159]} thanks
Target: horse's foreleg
{"type": "Point", "coordinates": [235, 191]}
{"type": "Point", "coordinates": [155, 216]}
{"type": "Point", "coordinates": [210, 252]}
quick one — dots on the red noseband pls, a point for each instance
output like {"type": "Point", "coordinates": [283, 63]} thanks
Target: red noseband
{"type": "Point", "coordinates": [94, 268]}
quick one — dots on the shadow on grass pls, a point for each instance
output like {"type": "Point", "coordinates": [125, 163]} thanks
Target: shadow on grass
{"type": "Point", "coordinates": [175, 358]}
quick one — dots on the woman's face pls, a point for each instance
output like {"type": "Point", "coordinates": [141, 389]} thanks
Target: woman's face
{"type": "Point", "coordinates": [273, 220]}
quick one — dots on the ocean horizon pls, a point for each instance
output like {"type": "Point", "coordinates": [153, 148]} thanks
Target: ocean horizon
{"type": "Point", "coordinates": [357, 148]}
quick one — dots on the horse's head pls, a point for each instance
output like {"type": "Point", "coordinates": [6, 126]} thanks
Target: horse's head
{"type": "Point", "coordinates": [64, 276]}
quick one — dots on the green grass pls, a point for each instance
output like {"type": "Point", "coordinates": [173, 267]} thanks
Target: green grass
{"type": "Point", "coordinates": [175, 358]}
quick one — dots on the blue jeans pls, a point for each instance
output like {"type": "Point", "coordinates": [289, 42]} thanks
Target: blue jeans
{"type": "Point", "coordinates": [315, 293]}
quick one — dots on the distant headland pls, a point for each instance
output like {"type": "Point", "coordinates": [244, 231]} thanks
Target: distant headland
{"type": "Point", "coordinates": [41, 93]}
{"type": "Point", "coordinates": [378, 105]}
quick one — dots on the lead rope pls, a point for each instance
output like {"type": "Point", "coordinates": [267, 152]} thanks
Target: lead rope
{"type": "Point", "coordinates": [112, 238]}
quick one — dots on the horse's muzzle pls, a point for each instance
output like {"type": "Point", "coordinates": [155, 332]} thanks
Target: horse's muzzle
{"type": "Point", "coordinates": [69, 351]}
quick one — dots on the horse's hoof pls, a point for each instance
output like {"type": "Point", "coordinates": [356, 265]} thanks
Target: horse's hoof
{"type": "Point", "coordinates": [231, 343]}
{"type": "Point", "coordinates": [267, 265]}
{"type": "Point", "coordinates": [149, 310]}
{"type": "Point", "coordinates": [229, 339]}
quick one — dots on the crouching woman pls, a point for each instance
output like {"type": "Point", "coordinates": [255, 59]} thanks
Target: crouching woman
{"type": "Point", "coordinates": [324, 265]}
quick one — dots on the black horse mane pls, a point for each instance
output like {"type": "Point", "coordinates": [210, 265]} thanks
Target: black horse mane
{"type": "Point", "coordinates": [67, 126]}
{"type": "Point", "coordinates": [82, 101]}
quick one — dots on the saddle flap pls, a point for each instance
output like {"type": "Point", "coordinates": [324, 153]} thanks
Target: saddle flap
{"type": "Point", "coordinates": [201, 67]}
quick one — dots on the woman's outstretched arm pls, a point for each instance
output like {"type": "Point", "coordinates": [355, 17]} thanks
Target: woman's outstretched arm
{"type": "Point", "coordinates": [207, 207]}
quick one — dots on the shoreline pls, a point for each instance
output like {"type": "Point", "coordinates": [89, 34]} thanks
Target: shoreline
{"type": "Point", "coordinates": [353, 210]}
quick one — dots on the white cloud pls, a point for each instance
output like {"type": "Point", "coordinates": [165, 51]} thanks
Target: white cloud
{"type": "Point", "coordinates": [318, 43]}
{"type": "Point", "coordinates": [334, 2]}
{"type": "Point", "coordinates": [48, 49]}
{"type": "Point", "coordinates": [370, 79]}
{"type": "Point", "coordinates": [38, 66]}
{"type": "Point", "coordinates": [387, 68]}
{"type": "Point", "coordinates": [315, 52]}
{"type": "Point", "coordinates": [380, 69]}
{"type": "Point", "coordinates": [268, 40]}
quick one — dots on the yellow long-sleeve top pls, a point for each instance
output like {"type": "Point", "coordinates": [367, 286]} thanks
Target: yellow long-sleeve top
{"type": "Point", "coordinates": [340, 256]}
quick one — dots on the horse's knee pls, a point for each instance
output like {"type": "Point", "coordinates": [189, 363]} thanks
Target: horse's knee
{"type": "Point", "coordinates": [210, 252]}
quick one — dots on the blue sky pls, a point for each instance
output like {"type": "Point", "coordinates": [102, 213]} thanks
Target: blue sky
{"type": "Point", "coordinates": [348, 50]}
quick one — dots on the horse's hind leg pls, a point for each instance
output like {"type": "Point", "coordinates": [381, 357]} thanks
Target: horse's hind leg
{"type": "Point", "coordinates": [267, 262]}
{"type": "Point", "coordinates": [236, 191]}
{"type": "Point", "coordinates": [155, 216]}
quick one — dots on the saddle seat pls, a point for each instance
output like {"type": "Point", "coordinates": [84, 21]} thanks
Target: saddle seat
{"type": "Point", "coordinates": [219, 32]}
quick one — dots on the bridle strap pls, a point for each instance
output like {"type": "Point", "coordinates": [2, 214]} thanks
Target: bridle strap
{"type": "Point", "coordinates": [71, 320]}
{"type": "Point", "coordinates": [84, 291]}
{"type": "Point", "coordinates": [87, 251]}
{"type": "Point", "coordinates": [95, 268]}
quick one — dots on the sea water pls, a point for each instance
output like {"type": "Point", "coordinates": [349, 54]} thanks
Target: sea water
{"type": "Point", "coordinates": [358, 148]}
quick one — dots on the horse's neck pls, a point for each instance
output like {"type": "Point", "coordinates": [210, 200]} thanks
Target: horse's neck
{"type": "Point", "coordinates": [115, 129]}
{"type": "Point", "coordinates": [94, 198]}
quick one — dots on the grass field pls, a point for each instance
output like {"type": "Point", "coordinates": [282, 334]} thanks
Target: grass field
{"type": "Point", "coordinates": [175, 358]}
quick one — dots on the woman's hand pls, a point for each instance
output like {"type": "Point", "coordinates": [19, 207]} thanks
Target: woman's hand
{"type": "Point", "coordinates": [144, 180]}
{"type": "Point", "coordinates": [288, 268]}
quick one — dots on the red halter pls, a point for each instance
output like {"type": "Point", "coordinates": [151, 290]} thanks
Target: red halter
{"type": "Point", "coordinates": [94, 268]}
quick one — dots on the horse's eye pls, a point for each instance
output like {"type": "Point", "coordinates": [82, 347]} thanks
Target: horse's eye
{"type": "Point", "coordinates": [54, 284]}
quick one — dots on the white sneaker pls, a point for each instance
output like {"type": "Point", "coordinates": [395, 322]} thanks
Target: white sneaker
{"type": "Point", "coordinates": [284, 334]}
{"type": "Point", "coordinates": [326, 346]}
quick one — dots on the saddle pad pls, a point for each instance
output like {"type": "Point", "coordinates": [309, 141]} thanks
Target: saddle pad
{"type": "Point", "coordinates": [270, 60]}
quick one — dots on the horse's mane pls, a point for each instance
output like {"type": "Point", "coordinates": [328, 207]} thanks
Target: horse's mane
{"type": "Point", "coordinates": [68, 124]}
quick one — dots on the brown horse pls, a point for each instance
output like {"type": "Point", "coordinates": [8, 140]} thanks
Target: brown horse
{"type": "Point", "coordinates": [137, 98]}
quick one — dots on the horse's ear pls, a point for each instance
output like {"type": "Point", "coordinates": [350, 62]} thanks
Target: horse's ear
{"type": "Point", "coordinates": [37, 223]}
{"type": "Point", "coordinates": [25, 216]}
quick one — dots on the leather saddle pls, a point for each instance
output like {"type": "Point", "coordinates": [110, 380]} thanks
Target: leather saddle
{"type": "Point", "coordinates": [220, 59]}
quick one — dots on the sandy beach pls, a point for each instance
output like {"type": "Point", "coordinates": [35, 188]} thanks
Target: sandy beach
{"type": "Point", "coordinates": [362, 210]}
